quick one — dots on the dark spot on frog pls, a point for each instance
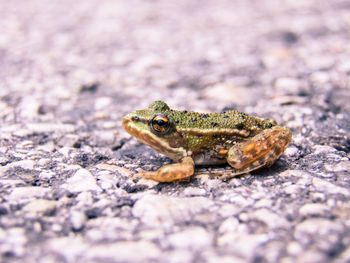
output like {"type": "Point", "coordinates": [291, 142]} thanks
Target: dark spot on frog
{"type": "Point", "coordinates": [193, 119]}
{"type": "Point", "coordinates": [185, 111]}
{"type": "Point", "coordinates": [214, 124]}
{"type": "Point", "coordinates": [262, 161]}
{"type": "Point", "coordinates": [243, 116]}
{"type": "Point", "coordinates": [204, 116]}
{"type": "Point", "coordinates": [240, 126]}
{"type": "Point", "coordinates": [177, 121]}
{"type": "Point", "coordinates": [225, 116]}
{"type": "Point", "coordinates": [269, 125]}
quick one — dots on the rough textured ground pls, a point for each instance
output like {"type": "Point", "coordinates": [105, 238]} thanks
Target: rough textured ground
{"type": "Point", "coordinates": [71, 69]}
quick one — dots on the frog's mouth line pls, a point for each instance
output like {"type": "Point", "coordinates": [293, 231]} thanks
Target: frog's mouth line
{"type": "Point", "coordinates": [152, 140]}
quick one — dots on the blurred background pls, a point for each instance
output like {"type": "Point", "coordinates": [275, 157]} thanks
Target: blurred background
{"type": "Point", "coordinates": [205, 55]}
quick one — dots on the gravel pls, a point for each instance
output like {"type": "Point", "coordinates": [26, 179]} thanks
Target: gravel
{"type": "Point", "coordinates": [71, 70]}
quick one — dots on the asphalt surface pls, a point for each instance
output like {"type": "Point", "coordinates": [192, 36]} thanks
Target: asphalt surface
{"type": "Point", "coordinates": [69, 72]}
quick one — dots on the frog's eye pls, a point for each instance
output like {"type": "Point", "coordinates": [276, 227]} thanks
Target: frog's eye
{"type": "Point", "coordinates": [160, 124]}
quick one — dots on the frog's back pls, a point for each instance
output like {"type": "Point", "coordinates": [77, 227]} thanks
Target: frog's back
{"type": "Point", "coordinates": [217, 122]}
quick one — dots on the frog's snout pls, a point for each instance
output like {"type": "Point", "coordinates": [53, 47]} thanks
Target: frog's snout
{"type": "Point", "coordinates": [126, 121]}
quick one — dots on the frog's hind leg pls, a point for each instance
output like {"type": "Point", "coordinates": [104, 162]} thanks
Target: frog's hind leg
{"type": "Point", "coordinates": [171, 172]}
{"type": "Point", "coordinates": [260, 151]}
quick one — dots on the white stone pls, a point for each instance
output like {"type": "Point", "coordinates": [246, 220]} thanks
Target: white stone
{"type": "Point", "coordinates": [50, 127]}
{"type": "Point", "coordinates": [47, 147]}
{"type": "Point", "coordinates": [329, 188]}
{"type": "Point", "coordinates": [179, 256]}
{"type": "Point", "coordinates": [291, 151]}
{"type": "Point", "coordinates": [229, 225]}
{"type": "Point", "coordinates": [325, 61]}
{"type": "Point", "coordinates": [24, 164]}
{"type": "Point", "coordinates": [40, 206]}
{"type": "Point", "coordinates": [241, 244]}
{"type": "Point", "coordinates": [311, 256]}
{"type": "Point", "coordinates": [105, 137]}
{"type": "Point", "coordinates": [165, 211]}
{"type": "Point", "coordinates": [193, 238]}
{"type": "Point", "coordinates": [102, 102]}
{"type": "Point", "coordinates": [313, 210]}
{"type": "Point", "coordinates": [194, 191]}
{"type": "Point", "coordinates": [27, 193]}
{"type": "Point", "coordinates": [152, 234]}
{"type": "Point", "coordinates": [316, 226]}
{"type": "Point", "coordinates": [107, 180]}
{"type": "Point", "coordinates": [294, 248]}
{"type": "Point", "coordinates": [228, 210]}
{"type": "Point", "coordinates": [339, 167]}
{"type": "Point", "coordinates": [321, 149]}
{"type": "Point", "coordinates": [320, 77]}
{"type": "Point", "coordinates": [264, 202]}
{"type": "Point", "coordinates": [295, 173]}
{"type": "Point", "coordinates": [128, 251]}
{"type": "Point", "coordinates": [270, 218]}
{"type": "Point", "coordinates": [13, 240]}
{"type": "Point", "coordinates": [65, 151]}
{"type": "Point", "coordinates": [212, 257]}
{"type": "Point", "coordinates": [232, 92]}
{"type": "Point", "coordinates": [77, 219]}
{"type": "Point", "coordinates": [292, 85]}
{"type": "Point", "coordinates": [9, 182]}
{"type": "Point", "coordinates": [45, 175]}
{"type": "Point", "coordinates": [70, 248]}
{"type": "Point", "coordinates": [110, 223]}
{"type": "Point", "coordinates": [84, 198]}
{"type": "Point", "coordinates": [237, 198]}
{"type": "Point", "coordinates": [208, 181]}
{"type": "Point", "coordinates": [68, 140]}
{"type": "Point", "coordinates": [28, 108]}
{"type": "Point", "coordinates": [81, 181]}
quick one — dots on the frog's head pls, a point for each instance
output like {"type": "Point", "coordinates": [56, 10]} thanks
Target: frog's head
{"type": "Point", "coordinates": [155, 127]}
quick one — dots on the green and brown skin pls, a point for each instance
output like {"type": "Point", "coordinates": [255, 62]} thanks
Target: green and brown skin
{"type": "Point", "coordinates": [246, 143]}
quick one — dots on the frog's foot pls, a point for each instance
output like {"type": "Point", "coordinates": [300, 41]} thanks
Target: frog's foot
{"type": "Point", "coordinates": [260, 151]}
{"type": "Point", "coordinates": [170, 172]}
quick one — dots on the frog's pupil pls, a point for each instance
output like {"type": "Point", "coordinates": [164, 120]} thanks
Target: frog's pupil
{"type": "Point", "coordinates": [160, 124]}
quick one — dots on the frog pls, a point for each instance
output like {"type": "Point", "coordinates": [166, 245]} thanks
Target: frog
{"type": "Point", "coordinates": [191, 138]}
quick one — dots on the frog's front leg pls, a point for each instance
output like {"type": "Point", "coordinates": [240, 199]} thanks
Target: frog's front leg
{"type": "Point", "coordinates": [170, 172]}
{"type": "Point", "coordinates": [260, 151]}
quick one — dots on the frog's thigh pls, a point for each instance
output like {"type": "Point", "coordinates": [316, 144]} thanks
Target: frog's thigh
{"type": "Point", "coordinates": [171, 172]}
{"type": "Point", "coordinates": [261, 150]}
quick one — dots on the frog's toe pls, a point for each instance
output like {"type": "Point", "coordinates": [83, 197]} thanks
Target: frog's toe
{"type": "Point", "coordinates": [136, 177]}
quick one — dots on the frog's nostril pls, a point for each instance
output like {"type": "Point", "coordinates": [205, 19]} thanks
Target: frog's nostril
{"type": "Point", "coordinates": [135, 118]}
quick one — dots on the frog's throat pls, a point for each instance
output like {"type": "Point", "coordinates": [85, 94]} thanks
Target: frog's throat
{"type": "Point", "coordinates": [152, 140]}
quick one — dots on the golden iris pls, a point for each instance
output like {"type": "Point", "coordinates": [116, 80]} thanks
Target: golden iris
{"type": "Point", "coordinates": [160, 124]}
